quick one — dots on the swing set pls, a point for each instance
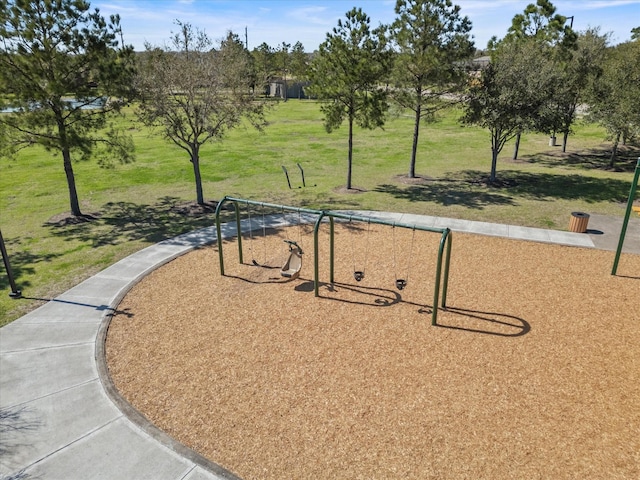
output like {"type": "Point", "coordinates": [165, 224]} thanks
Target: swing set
{"type": "Point", "coordinates": [358, 275]}
{"type": "Point", "coordinates": [291, 269]}
{"type": "Point", "coordinates": [293, 265]}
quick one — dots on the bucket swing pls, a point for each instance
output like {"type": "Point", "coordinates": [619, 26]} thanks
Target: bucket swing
{"type": "Point", "coordinates": [358, 275]}
{"type": "Point", "coordinates": [291, 269]}
{"type": "Point", "coordinates": [293, 265]}
{"type": "Point", "coordinates": [401, 283]}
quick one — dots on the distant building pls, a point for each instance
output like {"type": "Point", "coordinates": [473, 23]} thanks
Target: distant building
{"type": "Point", "coordinates": [481, 63]}
{"type": "Point", "coordinates": [295, 89]}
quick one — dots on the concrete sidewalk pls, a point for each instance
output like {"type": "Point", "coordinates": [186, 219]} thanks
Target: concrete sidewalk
{"type": "Point", "coordinates": [60, 416]}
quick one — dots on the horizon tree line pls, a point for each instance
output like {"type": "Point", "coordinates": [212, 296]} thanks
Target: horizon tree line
{"type": "Point", "coordinates": [194, 91]}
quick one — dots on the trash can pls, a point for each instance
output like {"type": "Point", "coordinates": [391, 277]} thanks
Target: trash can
{"type": "Point", "coordinates": [579, 222]}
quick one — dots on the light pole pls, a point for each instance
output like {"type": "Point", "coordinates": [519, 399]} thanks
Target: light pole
{"type": "Point", "coordinates": [570, 24]}
{"type": "Point", "coordinates": [15, 293]}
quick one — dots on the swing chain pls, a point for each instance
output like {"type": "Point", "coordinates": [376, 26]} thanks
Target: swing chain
{"type": "Point", "coordinates": [358, 275]}
{"type": "Point", "coordinates": [253, 259]}
{"type": "Point", "coordinates": [401, 283]}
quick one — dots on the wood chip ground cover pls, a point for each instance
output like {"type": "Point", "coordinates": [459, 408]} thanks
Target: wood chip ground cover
{"type": "Point", "coordinates": [532, 372]}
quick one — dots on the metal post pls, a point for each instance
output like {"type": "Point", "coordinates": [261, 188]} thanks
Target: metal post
{"type": "Point", "coordinates": [331, 250]}
{"type": "Point", "coordinates": [15, 293]}
{"type": "Point", "coordinates": [219, 235]}
{"type": "Point", "coordinates": [284, 169]}
{"type": "Point", "coordinates": [625, 222]}
{"type": "Point", "coordinates": [302, 173]}
{"type": "Point", "coordinates": [239, 230]}
{"type": "Point", "coordinates": [445, 281]}
{"type": "Point", "coordinates": [316, 256]}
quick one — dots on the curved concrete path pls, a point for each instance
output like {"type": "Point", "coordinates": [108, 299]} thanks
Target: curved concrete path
{"type": "Point", "coordinates": [60, 416]}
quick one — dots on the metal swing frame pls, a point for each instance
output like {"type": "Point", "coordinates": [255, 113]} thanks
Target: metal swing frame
{"type": "Point", "coordinates": [627, 214]}
{"type": "Point", "coordinates": [444, 249]}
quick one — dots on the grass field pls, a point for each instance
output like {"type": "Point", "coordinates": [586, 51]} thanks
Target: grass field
{"type": "Point", "coordinates": [146, 201]}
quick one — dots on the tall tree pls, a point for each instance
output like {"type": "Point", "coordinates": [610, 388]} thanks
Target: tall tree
{"type": "Point", "coordinates": [509, 94]}
{"type": "Point", "coordinates": [575, 71]}
{"type": "Point", "coordinates": [615, 96]}
{"type": "Point", "coordinates": [284, 65]}
{"type": "Point", "coordinates": [299, 66]}
{"type": "Point", "coordinates": [65, 71]}
{"type": "Point", "coordinates": [195, 94]}
{"type": "Point", "coordinates": [265, 65]}
{"type": "Point", "coordinates": [540, 23]}
{"type": "Point", "coordinates": [432, 41]}
{"type": "Point", "coordinates": [346, 74]}
{"type": "Point", "coordinates": [299, 62]}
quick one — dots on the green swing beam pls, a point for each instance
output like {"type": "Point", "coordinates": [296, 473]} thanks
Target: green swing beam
{"type": "Point", "coordinates": [444, 250]}
{"type": "Point", "coordinates": [625, 222]}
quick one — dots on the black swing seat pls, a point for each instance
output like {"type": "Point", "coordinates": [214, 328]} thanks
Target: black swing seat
{"type": "Point", "coordinates": [291, 269]}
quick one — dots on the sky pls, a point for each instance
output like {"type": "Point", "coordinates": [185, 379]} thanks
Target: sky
{"type": "Point", "coordinates": [308, 21]}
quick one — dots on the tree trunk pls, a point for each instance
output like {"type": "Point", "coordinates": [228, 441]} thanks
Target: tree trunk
{"type": "Point", "coordinates": [350, 161]}
{"type": "Point", "coordinates": [614, 150]}
{"type": "Point", "coordinates": [515, 151]}
{"type": "Point", "coordinates": [71, 182]}
{"type": "Point", "coordinates": [195, 160]}
{"type": "Point", "coordinates": [414, 147]}
{"type": "Point", "coordinates": [564, 141]}
{"type": "Point", "coordinates": [494, 164]}
{"type": "Point", "coordinates": [495, 150]}
{"type": "Point", "coordinates": [68, 168]}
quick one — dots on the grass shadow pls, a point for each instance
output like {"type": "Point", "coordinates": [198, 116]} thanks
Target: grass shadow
{"type": "Point", "coordinates": [22, 263]}
{"type": "Point", "coordinates": [448, 192]}
{"type": "Point", "coordinates": [590, 159]}
{"type": "Point", "coordinates": [119, 222]}
{"type": "Point", "coordinates": [550, 186]}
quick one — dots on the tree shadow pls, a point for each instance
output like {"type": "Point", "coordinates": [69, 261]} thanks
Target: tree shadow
{"type": "Point", "coordinates": [448, 192]}
{"type": "Point", "coordinates": [120, 222]}
{"type": "Point", "coordinates": [18, 429]}
{"type": "Point", "coordinates": [591, 159]}
{"type": "Point", "coordinates": [549, 186]}
{"type": "Point", "coordinates": [22, 263]}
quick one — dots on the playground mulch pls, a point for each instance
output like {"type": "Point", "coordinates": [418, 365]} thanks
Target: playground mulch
{"type": "Point", "coordinates": [532, 372]}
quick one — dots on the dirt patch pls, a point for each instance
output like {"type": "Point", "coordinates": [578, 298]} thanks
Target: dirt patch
{"type": "Point", "coordinates": [67, 218]}
{"type": "Point", "coordinates": [194, 209]}
{"type": "Point", "coordinates": [343, 190]}
{"type": "Point", "coordinates": [531, 373]}
{"type": "Point", "coordinates": [417, 180]}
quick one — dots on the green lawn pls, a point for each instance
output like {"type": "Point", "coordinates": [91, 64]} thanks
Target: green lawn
{"type": "Point", "coordinates": [140, 203]}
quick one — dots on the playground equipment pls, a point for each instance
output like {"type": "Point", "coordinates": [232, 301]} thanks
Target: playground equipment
{"type": "Point", "coordinates": [291, 268]}
{"type": "Point", "coordinates": [358, 275]}
{"type": "Point", "coordinates": [286, 173]}
{"type": "Point", "coordinates": [401, 283]}
{"type": "Point", "coordinates": [625, 222]}
{"type": "Point", "coordinates": [264, 236]}
{"type": "Point", "coordinates": [295, 255]}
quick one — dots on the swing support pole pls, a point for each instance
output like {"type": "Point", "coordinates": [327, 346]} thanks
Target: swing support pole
{"type": "Point", "coordinates": [625, 222]}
